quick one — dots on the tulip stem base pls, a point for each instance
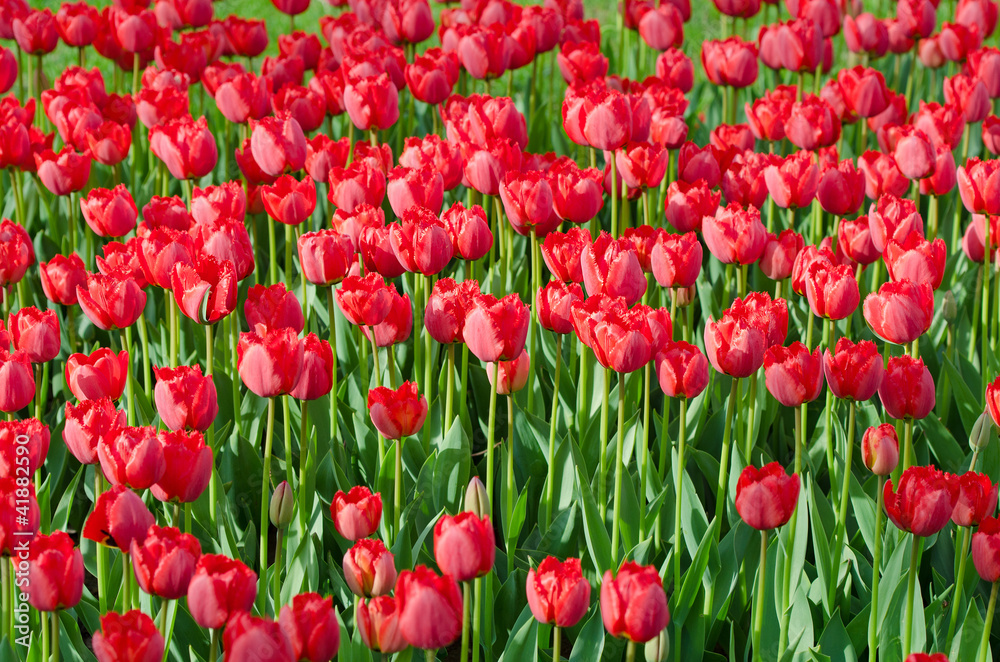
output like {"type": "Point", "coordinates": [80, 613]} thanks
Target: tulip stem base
{"type": "Point", "coordinates": [602, 488]}
{"type": "Point", "coordinates": [264, 503]}
{"type": "Point", "coordinates": [213, 649]}
{"type": "Point", "coordinates": [276, 577]}
{"type": "Point", "coordinates": [959, 583]}
{"type": "Point", "coordinates": [984, 645]}
{"type": "Point", "coordinates": [557, 644]}
{"type": "Point", "coordinates": [511, 489]}
{"type": "Point", "coordinates": [476, 616]}
{"type": "Point", "coordinates": [630, 652]}
{"type": "Point", "coordinates": [907, 444]}
{"type": "Point", "coordinates": [449, 397]}
{"type": "Point", "coordinates": [758, 618]}
{"type": "Point", "coordinates": [430, 655]}
{"type": "Point", "coordinates": [619, 449]}
{"type": "Point", "coordinates": [55, 634]}
{"type": "Point", "coordinates": [466, 619]}
{"type": "Point", "coordinates": [911, 583]}
{"type": "Point", "coordinates": [286, 425]}
{"type": "Point", "coordinates": [551, 479]}
{"type": "Point", "coordinates": [873, 621]}
{"type": "Point", "coordinates": [678, 487]}
{"type": "Point", "coordinates": [838, 541]}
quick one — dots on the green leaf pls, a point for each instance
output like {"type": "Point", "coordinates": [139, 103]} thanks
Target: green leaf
{"type": "Point", "coordinates": [589, 646]}
{"type": "Point", "coordinates": [692, 581]}
{"type": "Point", "coordinates": [521, 645]}
{"type": "Point", "coordinates": [968, 404]}
{"type": "Point", "coordinates": [595, 531]}
{"type": "Point", "coordinates": [835, 641]}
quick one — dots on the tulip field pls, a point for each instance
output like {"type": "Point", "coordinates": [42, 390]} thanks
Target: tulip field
{"type": "Point", "coordinates": [389, 330]}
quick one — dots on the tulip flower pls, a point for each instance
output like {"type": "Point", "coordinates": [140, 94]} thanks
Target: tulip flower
{"type": "Point", "coordinates": [792, 374]}
{"type": "Point", "coordinates": [186, 147]}
{"type": "Point", "coordinates": [611, 266]}
{"type": "Point", "coordinates": [496, 329]}
{"type": "Point", "coordinates": [55, 573]}
{"type": "Point", "coordinates": [316, 378]}
{"type": "Point", "coordinates": [188, 467]}
{"type": "Point", "coordinates": [60, 277]}
{"type": "Point", "coordinates": [358, 184]}
{"type": "Point", "coordinates": [986, 550]}
{"type": "Point", "coordinates": [766, 497]}
{"type": "Point", "coordinates": [278, 145]}
{"type": "Point", "coordinates": [364, 301]}
{"type": "Point", "coordinates": [24, 445]}
{"type": "Point", "coordinates": [430, 608]}
{"type": "Point", "coordinates": [109, 213]}
{"type": "Point", "coordinates": [557, 592]}
{"type": "Point", "coordinates": [464, 547]}
{"type": "Point", "coordinates": [288, 200]}
{"type": "Point", "coordinates": [310, 624]}
{"type": "Point", "coordinates": [273, 307]}
{"type": "Point", "coordinates": [269, 360]}
{"type": "Point", "coordinates": [87, 423]}
{"type": "Point", "coordinates": [119, 518]}
{"type": "Point", "coordinates": [132, 457]}
{"type": "Point", "coordinates": [356, 514]}
{"type": "Point", "coordinates": [907, 390]}
{"type": "Point", "coordinates": [421, 243]}
{"type": "Point", "coordinates": [17, 381]}
{"type": "Point", "coordinates": [735, 235]}
{"type": "Point", "coordinates": [249, 636]}
{"type": "Point", "coordinates": [633, 603]}
{"type": "Point", "coordinates": [165, 561]}
{"type": "Point", "coordinates": [36, 333]}
{"type": "Point", "coordinates": [469, 230]}
{"type": "Point", "coordinates": [65, 172]}
{"type": "Point", "coordinates": [916, 259]}
{"type": "Point", "coordinates": [832, 290]}
{"type": "Point", "coordinates": [369, 569]}
{"type": "Point", "coordinates": [219, 589]}
{"type": "Point", "coordinates": [378, 624]}
{"type": "Point", "coordinates": [855, 241]}
{"type": "Point", "coordinates": [205, 291]}
{"type": "Point", "coordinates": [901, 311]}
{"type": "Point", "coordinates": [127, 637]}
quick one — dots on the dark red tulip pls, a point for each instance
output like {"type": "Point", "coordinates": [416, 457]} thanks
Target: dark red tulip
{"type": "Point", "coordinates": [633, 603]}
{"type": "Point", "coordinates": [766, 497]}
{"type": "Point", "coordinates": [469, 230]}
{"type": "Point", "coordinates": [133, 457]}
{"type": "Point", "coordinates": [977, 499]}
{"type": "Point", "coordinates": [832, 290]}
{"type": "Point", "coordinates": [923, 502]}
{"type": "Point", "coordinates": [188, 469]}
{"type": "Point", "coordinates": [356, 514]}
{"type": "Point", "coordinates": [364, 301]}
{"type": "Point", "coordinates": [682, 370]}
{"type": "Point", "coordinates": [119, 518]}
{"type": "Point", "coordinates": [907, 389]}
{"type": "Point", "coordinates": [128, 637]}
{"type": "Point", "coordinates": [220, 588]}
{"type": "Point", "coordinates": [854, 370]}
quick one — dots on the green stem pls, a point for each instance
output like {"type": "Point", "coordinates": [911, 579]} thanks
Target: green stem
{"type": "Point", "coordinates": [147, 382]}
{"type": "Point", "coordinates": [556, 643]}
{"type": "Point", "coordinates": [5, 598]}
{"type": "Point", "coordinates": [466, 619]}
{"type": "Point", "coordinates": [333, 350]}
{"type": "Point", "coordinates": [449, 398]}
{"type": "Point", "coordinates": [55, 636]}
{"type": "Point", "coordinates": [614, 196]}
{"type": "Point", "coordinates": [550, 482]}
{"type": "Point", "coordinates": [234, 326]}
{"type": "Point", "coordinates": [127, 342]}
{"type": "Point", "coordinates": [873, 622]}
{"type": "Point", "coordinates": [430, 655]}
{"type": "Point", "coordinates": [213, 650]}
{"type": "Point", "coordinates": [911, 583]}
{"type": "Point", "coordinates": [286, 424]}
{"type": "Point", "coordinates": [644, 454]}
{"type": "Point", "coordinates": [752, 409]}
{"type": "Point", "coordinates": [264, 503]}
{"type": "Point", "coordinates": [511, 540]}
{"type": "Point", "coordinates": [984, 363]}
{"type": "Point", "coordinates": [126, 582]}
{"type": "Point", "coordinates": [959, 583]}
{"type": "Point", "coordinates": [984, 645]}
{"type": "Point", "coordinates": [908, 444]}
{"type": "Point", "coordinates": [533, 321]}
{"type": "Point", "coordinates": [619, 446]}
{"type": "Point", "coordinates": [476, 616]}
{"type": "Point", "coordinates": [630, 652]}
{"type": "Point", "coordinates": [838, 540]}
{"type": "Point", "coordinates": [102, 580]}
{"type": "Point", "coordinates": [679, 493]}
{"type": "Point", "coordinates": [272, 256]}
{"type": "Point", "coordinates": [758, 619]}
{"type": "Point", "coordinates": [786, 580]}
{"type": "Point", "coordinates": [720, 494]}
{"type": "Point", "coordinates": [491, 435]}
{"type": "Point", "coordinates": [602, 489]}
{"type": "Point", "coordinates": [397, 489]}
{"type": "Point", "coordinates": [276, 577]}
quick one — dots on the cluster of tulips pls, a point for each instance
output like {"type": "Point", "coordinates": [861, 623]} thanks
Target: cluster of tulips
{"type": "Point", "coordinates": [649, 245]}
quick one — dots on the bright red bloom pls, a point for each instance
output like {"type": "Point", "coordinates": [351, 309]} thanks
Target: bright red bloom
{"type": "Point", "coordinates": [495, 329]}
{"type": "Point", "coordinates": [133, 457]}
{"type": "Point", "coordinates": [101, 374]}
{"type": "Point", "coordinates": [793, 182]}
{"type": "Point", "coordinates": [24, 444]}
{"type": "Point", "coordinates": [269, 361]}
{"type": "Point", "coordinates": [854, 370]}
{"type": "Point", "coordinates": [977, 499]}
{"type": "Point", "coordinates": [60, 277]}
{"type": "Point", "coordinates": [397, 413]}
{"type": "Point", "coordinates": [682, 370]}
{"type": "Point", "coordinates": [780, 251]}
{"type": "Point", "coordinates": [923, 502]}
{"type": "Point", "coordinates": [55, 573]}
{"type": "Point", "coordinates": [164, 562]}
{"type": "Point", "coordinates": [901, 311]}
{"type": "Point", "coordinates": [893, 218]}
{"type": "Point", "coordinates": [188, 467]}
{"type": "Point", "coordinates": [372, 102]}
{"type": "Point", "coordinates": [110, 302]}
{"type": "Point", "coordinates": [882, 176]}
{"type": "Point", "coordinates": [431, 152]}
{"type": "Point", "coordinates": [185, 398]}
{"type": "Point", "coordinates": [119, 518]}
{"type": "Point", "coordinates": [109, 213]}
{"type": "Point", "coordinates": [812, 124]}
{"type": "Point", "coordinates": [766, 497]}
{"type": "Point", "coordinates": [611, 266]}
{"type": "Point", "coordinates": [731, 62]}
{"type": "Point", "coordinates": [36, 333]}
{"type": "Point", "coordinates": [916, 259]}
{"type": "Point", "coordinates": [793, 374]}
{"type": "Point", "coordinates": [907, 389]}
{"type": "Point", "coordinates": [369, 568]}
{"type": "Point", "coordinates": [447, 305]}
{"type": "Point", "coordinates": [127, 637]}
{"type": "Point", "coordinates": [969, 95]}
{"type": "Point", "coordinates": [205, 292]}
{"type": "Point", "coordinates": [581, 62]}
{"type": "Point", "coordinates": [633, 603]}
{"type": "Point", "coordinates": [309, 622]}
{"type": "Point", "coordinates": [880, 449]}
{"type": "Point", "coordinates": [464, 547]}
{"type": "Point", "coordinates": [378, 624]}
{"type": "Point", "coordinates": [87, 423]}
{"type": "Point", "coordinates": [278, 145]}
{"type": "Point", "coordinates": [735, 235]}
{"type": "Point", "coordinates": [186, 147]}
{"type": "Point", "coordinates": [220, 588]}
{"type": "Point", "coordinates": [63, 173]}
{"type": "Point", "coordinates": [243, 97]}
{"type": "Point", "coordinates": [356, 514]}
{"type": "Point", "coordinates": [273, 307]}
{"type": "Point", "coordinates": [364, 301]}
{"type": "Point", "coordinates": [557, 592]}
{"type": "Point", "coordinates": [841, 190]}
{"type": "Point", "coordinates": [832, 290]}
{"type": "Point", "coordinates": [986, 549]}
{"type": "Point", "coordinates": [358, 184]}
{"type": "Point", "coordinates": [734, 346]}
{"type": "Point", "coordinates": [676, 259]}
{"type": "Point", "coordinates": [430, 608]}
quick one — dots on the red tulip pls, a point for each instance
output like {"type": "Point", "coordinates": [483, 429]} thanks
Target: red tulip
{"type": "Point", "coordinates": [812, 124]}
{"type": "Point", "coordinates": [162, 248]}
{"type": "Point", "coordinates": [111, 302]}
{"type": "Point", "coordinates": [464, 547]}
{"type": "Point", "coordinates": [357, 185]}
{"type": "Point", "coordinates": [430, 608]}
{"type": "Point", "coordinates": [357, 513]}
{"type": "Point", "coordinates": [681, 369]}
{"type": "Point", "coordinates": [364, 301]}
{"type": "Point", "coordinates": [397, 325]}
{"type": "Point", "coordinates": [273, 307]}
{"type": "Point", "coordinates": [110, 142]}
{"type": "Point", "coordinates": [633, 603]}
{"type": "Point", "coordinates": [734, 346]}
{"type": "Point", "coordinates": [779, 254]}
{"type": "Point", "coordinates": [983, 63]}
{"type": "Point", "coordinates": [421, 243]}
{"type": "Point", "coordinates": [841, 190]}
{"type": "Point", "coordinates": [512, 376]}
{"type": "Point", "coordinates": [119, 518]}
{"type": "Point", "coordinates": [496, 329]}
{"type": "Point", "coordinates": [378, 625]}
{"type": "Point", "coordinates": [186, 147]}
{"type": "Point", "coordinates": [528, 202]}
{"type": "Point", "coordinates": [129, 637]}
{"type": "Point", "coordinates": [621, 339]}
{"type": "Point", "coordinates": [854, 370]}
{"type": "Point", "coordinates": [986, 549]}
{"type": "Point", "coordinates": [35, 32]}
{"type": "Point", "coordinates": [65, 172]}
{"type": "Point", "coordinates": [766, 497]}
{"type": "Point", "coordinates": [882, 176]}
{"type": "Point", "coordinates": [77, 24]}
{"type": "Point", "coordinates": [916, 259]}
{"type": "Point", "coordinates": [250, 637]}
{"type": "Point", "coordinates": [397, 413]}
{"type": "Point", "coordinates": [444, 317]}
{"type": "Point", "coordinates": [55, 573]}
{"type": "Point", "coordinates": [730, 62]}
{"type": "Point", "coordinates": [369, 569]}
{"type": "Point", "coordinates": [767, 115]}
{"type": "Point", "coordinates": [832, 290]}
{"type": "Point", "coordinates": [611, 266]}
{"type": "Point", "coordinates": [907, 389]}
{"type": "Point", "coordinates": [577, 195]}
{"type": "Point", "coordinates": [977, 499]}
{"type": "Point", "coordinates": [880, 449]}
{"type": "Point", "coordinates": [581, 62]}
{"type": "Point", "coordinates": [675, 259]}
{"type": "Point", "coordinates": [604, 119]}
{"type": "Point", "coordinates": [695, 163]}
{"type": "Point", "coordinates": [945, 176]}
{"type": "Point", "coordinates": [316, 378]}
{"type": "Point", "coordinates": [225, 240]}
{"type": "Point", "coordinates": [133, 457]}
{"type": "Point", "coordinates": [87, 423]}
{"type": "Point", "coordinates": [893, 218]}
{"type": "Point", "coordinates": [793, 182]}
{"type": "Point", "coordinates": [99, 375]}
{"type": "Point", "coordinates": [969, 95]}
{"type": "Point", "coordinates": [60, 277]}
{"type": "Point", "coordinates": [269, 360]}
{"type": "Point", "coordinates": [554, 303]}
{"type": "Point", "coordinates": [469, 230]}
{"type": "Point", "coordinates": [408, 188]}
{"type": "Point", "coordinates": [164, 562]}
{"type": "Point", "coordinates": [485, 52]}
{"type": "Point", "coordinates": [686, 204]}
{"type": "Point", "coordinates": [288, 200]}
{"type": "Point", "coordinates": [432, 76]}
{"type": "Point", "coordinates": [793, 374]}
{"type": "Point", "coordinates": [24, 445]}
{"type": "Point", "coordinates": [305, 104]}
{"type": "Point", "coordinates": [184, 398]}
{"type": "Point", "coordinates": [486, 165]}
{"type": "Point", "coordinates": [901, 311]}
{"type": "Point", "coordinates": [220, 588]}
{"type": "Point", "coordinates": [735, 235]}
{"type": "Point", "coordinates": [248, 37]}
{"type": "Point", "coordinates": [36, 333]}
{"type": "Point", "coordinates": [109, 213]}
{"type": "Point", "coordinates": [866, 34]}
{"type": "Point", "coordinates": [278, 145]}
{"type": "Point", "coordinates": [205, 292]}
{"type": "Point", "coordinates": [188, 469]}
{"type": "Point", "coordinates": [310, 624]}
{"type": "Point", "coordinates": [372, 102]}
{"type": "Point", "coordinates": [431, 152]}
{"type": "Point", "coordinates": [557, 592]}
{"type": "Point", "coordinates": [855, 241]}
{"type": "Point", "coordinates": [562, 253]}
{"type": "Point", "coordinates": [924, 501]}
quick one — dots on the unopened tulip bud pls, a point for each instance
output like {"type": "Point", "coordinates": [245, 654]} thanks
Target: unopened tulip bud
{"type": "Point", "coordinates": [982, 430]}
{"type": "Point", "coordinates": [949, 309]}
{"type": "Point", "coordinates": [282, 505]}
{"type": "Point", "coordinates": [476, 498]}
{"type": "Point", "coordinates": [658, 648]}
